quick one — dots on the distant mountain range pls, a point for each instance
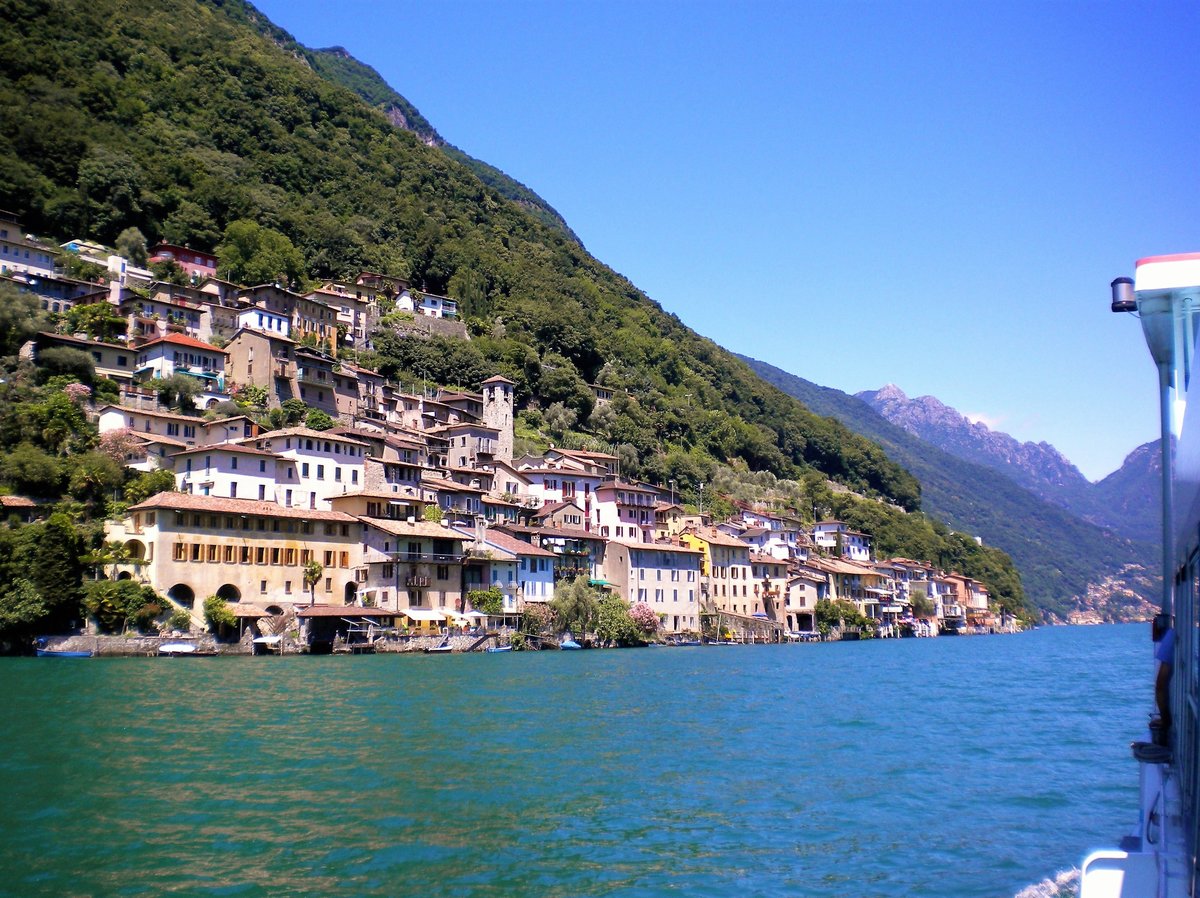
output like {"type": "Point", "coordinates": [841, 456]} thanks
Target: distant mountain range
{"type": "Point", "coordinates": [1075, 565]}
{"type": "Point", "coordinates": [1125, 501]}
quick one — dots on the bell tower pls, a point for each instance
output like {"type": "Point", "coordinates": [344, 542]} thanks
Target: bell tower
{"type": "Point", "coordinates": [498, 413]}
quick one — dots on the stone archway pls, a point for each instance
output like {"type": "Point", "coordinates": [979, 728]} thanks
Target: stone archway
{"type": "Point", "coordinates": [182, 594]}
{"type": "Point", "coordinates": [124, 575]}
{"type": "Point", "coordinates": [350, 593]}
{"type": "Point", "coordinates": [229, 593]}
{"type": "Point", "coordinates": [136, 549]}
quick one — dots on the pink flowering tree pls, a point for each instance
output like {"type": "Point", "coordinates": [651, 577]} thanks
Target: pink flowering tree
{"type": "Point", "coordinates": [78, 392]}
{"type": "Point", "coordinates": [645, 618]}
{"type": "Point", "coordinates": [117, 444]}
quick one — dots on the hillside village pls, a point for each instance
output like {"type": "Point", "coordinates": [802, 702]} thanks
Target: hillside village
{"type": "Point", "coordinates": [396, 506]}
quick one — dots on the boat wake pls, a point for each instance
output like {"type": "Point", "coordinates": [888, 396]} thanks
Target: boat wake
{"type": "Point", "coordinates": [1064, 884]}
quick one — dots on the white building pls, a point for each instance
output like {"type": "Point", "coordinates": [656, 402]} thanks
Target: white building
{"type": "Point", "coordinates": [228, 470]}
{"type": "Point", "coordinates": [324, 465]}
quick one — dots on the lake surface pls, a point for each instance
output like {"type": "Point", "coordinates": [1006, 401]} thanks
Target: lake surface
{"type": "Point", "coordinates": [973, 766]}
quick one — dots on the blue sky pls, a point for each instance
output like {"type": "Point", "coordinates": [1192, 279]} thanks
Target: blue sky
{"type": "Point", "coordinates": [929, 194]}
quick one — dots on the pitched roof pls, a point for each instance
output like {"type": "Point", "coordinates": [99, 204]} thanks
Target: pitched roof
{"type": "Point", "coordinates": [307, 432]}
{"type": "Point", "coordinates": [413, 528]}
{"type": "Point", "coordinates": [226, 447]}
{"type": "Point", "coordinates": [191, 419]}
{"type": "Point", "coordinates": [183, 340]}
{"type": "Point", "coordinates": [511, 544]}
{"type": "Point", "coordinates": [190, 502]}
{"type": "Point", "coordinates": [715, 537]}
{"type": "Point", "coordinates": [657, 547]}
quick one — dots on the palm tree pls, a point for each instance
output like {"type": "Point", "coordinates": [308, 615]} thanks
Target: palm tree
{"type": "Point", "coordinates": [313, 570]}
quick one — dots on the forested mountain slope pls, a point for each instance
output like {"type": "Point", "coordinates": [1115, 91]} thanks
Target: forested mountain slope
{"type": "Point", "coordinates": [1059, 555]}
{"type": "Point", "coordinates": [186, 117]}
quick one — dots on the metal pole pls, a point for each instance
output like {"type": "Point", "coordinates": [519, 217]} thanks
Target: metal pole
{"type": "Point", "coordinates": [1164, 411]}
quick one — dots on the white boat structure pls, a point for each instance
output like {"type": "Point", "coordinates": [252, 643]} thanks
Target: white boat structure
{"type": "Point", "coordinates": [1157, 859]}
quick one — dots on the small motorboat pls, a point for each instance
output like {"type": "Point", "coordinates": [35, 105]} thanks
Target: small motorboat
{"type": "Point", "coordinates": [499, 648]}
{"type": "Point", "coordinates": [569, 644]}
{"type": "Point", "coordinates": [176, 649]}
{"type": "Point", "coordinates": [53, 653]}
{"type": "Point", "coordinates": [41, 644]}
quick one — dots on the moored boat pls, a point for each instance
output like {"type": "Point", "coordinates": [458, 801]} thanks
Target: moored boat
{"type": "Point", "coordinates": [54, 653]}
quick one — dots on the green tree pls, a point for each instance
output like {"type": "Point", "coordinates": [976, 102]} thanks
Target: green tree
{"type": "Point", "coordinates": [111, 185]}
{"type": "Point", "coordinates": [131, 243]}
{"type": "Point", "coordinates": [253, 254]}
{"type": "Point", "coordinates": [614, 624]}
{"type": "Point", "coordinates": [219, 615]}
{"type": "Point", "coordinates": [575, 606]}
{"type": "Point", "coordinates": [169, 271]}
{"type": "Point", "coordinates": [922, 605]}
{"type": "Point", "coordinates": [313, 570]}
{"type": "Point", "coordinates": [50, 556]}
{"type": "Point", "coordinates": [178, 391]}
{"type": "Point", "coordinates": [318, 420]}
{"type": "Point", "coordinates": [21, 317]}
{"type": "Point", "coordinates": [22, 610]}
{"type": "Point", "coordinates": [98, 320]}
{"type": "Point", "coordinates": [95, 477]}
{"type": "Point", "coordinates": [145, 484]}
{"type": "Point", "coordinates": [32, 472]}
{"type": "Point", "coordinates": [489, 601]}
{"type": "Point", "coordinates": [61, 361]}
{"type": "Point", "coordinates": [116, 605]}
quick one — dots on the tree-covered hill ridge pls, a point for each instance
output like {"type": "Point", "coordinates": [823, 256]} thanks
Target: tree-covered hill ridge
{"type": "Point", "coordinates": [1069, 565]}
{"type": "Point", "coordinates": [188, 118]}
{"type": "Point", "coordinates": [338, 65]}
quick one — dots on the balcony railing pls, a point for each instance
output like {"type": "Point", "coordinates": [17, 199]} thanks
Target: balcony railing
{"type": "Point", "coordinates": [416, 580]}
{"type": "Point", "coordinates": [426, 557]}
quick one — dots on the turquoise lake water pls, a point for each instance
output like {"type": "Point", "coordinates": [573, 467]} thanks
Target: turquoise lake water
{"type": "Point", "coordinates": [951, 767]}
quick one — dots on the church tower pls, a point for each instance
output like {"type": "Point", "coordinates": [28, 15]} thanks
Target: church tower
{"type": "Point", "coordinates": [498, 413]}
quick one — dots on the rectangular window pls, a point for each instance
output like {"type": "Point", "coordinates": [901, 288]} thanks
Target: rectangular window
{"type": "Point", "coordinates": [329, 584]}
{"type": "Point", "coordinates": [243, 555]}
{"type": "Point", "coordinates": [212, 553]}
{"type": "Point", "coordinates": [276, 555]}
{"type": "Point", "coordinates": [197, 549]}
{"type": "Point", "coordinates": [289, 557]}
{"type": "Point", "coordinates": [343, 559]}
{"type": "Point", "coordinates": [180, 552]}
{"type": "Point", "coordinates": [262, 587]}
{"type": "Point", "coordinates": [328, 558]}
{"type": "Point", "coordinates": [305, 556]}
{"type": "Point", "coordinates": [227, 555]}
{"type": "Point", "coordinates": [260, 555]}
{"type": "Point", "coordinates": [320, 472]}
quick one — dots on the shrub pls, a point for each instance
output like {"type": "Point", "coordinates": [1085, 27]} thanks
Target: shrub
{"type": "Point", "coordinates": [218, 613]}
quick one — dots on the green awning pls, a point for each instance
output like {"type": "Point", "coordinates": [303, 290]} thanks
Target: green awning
{"type": "Point", "coordinates": [599, 583]}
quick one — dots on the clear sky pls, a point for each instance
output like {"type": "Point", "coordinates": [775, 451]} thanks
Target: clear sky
{"type": "Point", "coordinates": [929, 194]}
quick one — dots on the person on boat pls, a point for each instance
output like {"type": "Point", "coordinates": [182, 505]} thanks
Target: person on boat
{"type": "Point", "coordinates": [1164, 654]}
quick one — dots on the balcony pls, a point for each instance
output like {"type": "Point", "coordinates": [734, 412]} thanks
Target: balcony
{"type": "Point", "coordinates": [426, 558]}
{"type": "Point", "coordinates": [281, 369]}
{"type": "Point", "coordinates": [314, 376]}
{"type": "Point", "coordinates": [416, 580]}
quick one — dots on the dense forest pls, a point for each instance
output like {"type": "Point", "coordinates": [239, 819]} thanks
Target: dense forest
{"type": "Point", "coordinates": [202, 124]}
